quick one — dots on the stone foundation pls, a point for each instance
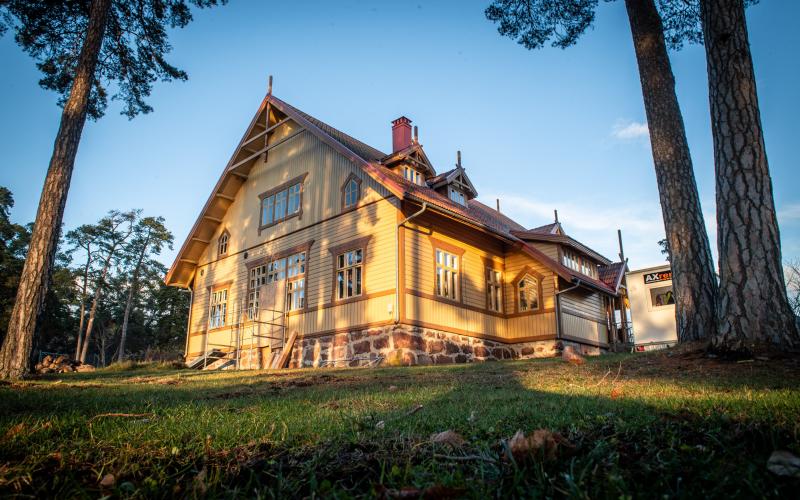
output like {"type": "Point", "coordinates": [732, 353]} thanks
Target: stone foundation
{"type": "Point", "coordinates": [409, 345]}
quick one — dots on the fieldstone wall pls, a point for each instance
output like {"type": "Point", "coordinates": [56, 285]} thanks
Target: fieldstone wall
{"type": "Point", "coordinates": [411, 345]}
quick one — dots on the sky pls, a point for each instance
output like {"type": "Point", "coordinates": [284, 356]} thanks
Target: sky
{"type": "Point", "coordinates": [540, 130]}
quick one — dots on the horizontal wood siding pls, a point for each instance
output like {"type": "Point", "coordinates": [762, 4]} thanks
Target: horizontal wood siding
{"type": "Point", "coordinates": [322, 196]}
{"type": "Point", "coordinates": [453, 318]}
{"type": "Point", "coordinates": [584, 316]}
{"type": "Point", "coordinates": [532, 325]}
{"type": "Point", "coordinates": [574, 327]}
{"type": "Point", "coordinates": [420, 276]}
{"type": "Point", "coordinates": [376, 219]}
{"type": "Point", "coordinates": [515, 263]}
{"type": "Point", "coordinates": [549, 249]}
{"type": "Point", "coordinates": [584, 303]}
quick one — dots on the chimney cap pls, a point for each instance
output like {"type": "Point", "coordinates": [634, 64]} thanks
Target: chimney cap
{"type": "Point", "coordinates": [403, 120]}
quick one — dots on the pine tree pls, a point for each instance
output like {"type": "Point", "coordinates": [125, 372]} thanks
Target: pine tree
{"type": "Point", "coordinates": [82, 47]}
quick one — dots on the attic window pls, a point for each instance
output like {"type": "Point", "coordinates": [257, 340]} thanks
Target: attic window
{"type": "Point", "coordinates": [412, 175]}
{"type": "Point", "coordinates": [222, 244]}
{"type": "Point", "coordinates": [457, 196]}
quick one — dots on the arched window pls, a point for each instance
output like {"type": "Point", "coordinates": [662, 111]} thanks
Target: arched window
{"type": "Point", "coordinates": [351, 192]}
{"type": "Point", "coordinates": [528, 293]}
{"type": "Point", "coordinates": [222, 244]}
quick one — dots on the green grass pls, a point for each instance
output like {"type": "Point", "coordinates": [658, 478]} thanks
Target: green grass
{"type": "Point", "coordinates": [640, 426]}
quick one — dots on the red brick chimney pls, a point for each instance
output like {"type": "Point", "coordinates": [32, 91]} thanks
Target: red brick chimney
{"type": "Point", "coordinates": [401, 134]}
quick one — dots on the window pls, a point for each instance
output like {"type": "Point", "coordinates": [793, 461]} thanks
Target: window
{"type": "Point", "coordinates": [218, 309]}
{"type": "Point", "coordinates": [528, 293]}
{"type": "Point", "coordinates": [588, 268]}
{"type": "Point", "coordinates": [275, 270]}
{"type": "Point", "coordinates": [662, 296]}
{"type": "Point", "coordinates": [412, 175]}
{"type": "Point", "coordinates": [571, 260]}
{"type": "Point", "coordinates": [349, 274]}
{"type": "Point", "coordinates": [257, 278]}
{"type": "Point", "coordinates": [222, 244]}
{"type": "Point", "coordinates": [282, 202]}
{"type": "Point", "coordinates": [296, 264]}
{"type": "Point", "coordinates": [494, 290]}
{"type": "Point", "coordinates": [296, 294]}
{"type": "Point", "coordinates": [457, 196]}
{"type": "Point", "coordinates": [446, 275]}
{"type": "Point", "coordinates": [351, 192]}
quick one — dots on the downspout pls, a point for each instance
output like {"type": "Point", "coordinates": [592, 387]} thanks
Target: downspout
{"type": "Point", "coordinates": [188, 325]}
{"type": "Point", "coordinates": [397, 260]}
{"type": "Point", "coordinates": [558, 307]}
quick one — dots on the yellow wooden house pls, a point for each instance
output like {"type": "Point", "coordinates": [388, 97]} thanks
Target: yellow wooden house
{"type": "Point", "coordinates": [315, 249]}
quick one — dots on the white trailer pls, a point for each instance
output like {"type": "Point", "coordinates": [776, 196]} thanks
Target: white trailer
{"type": "Point", "coordinates": [652, 303]}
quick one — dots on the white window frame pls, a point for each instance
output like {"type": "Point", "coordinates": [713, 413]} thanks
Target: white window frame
{"type": "Point", "coordinates": [218, 308]}
{"type": "Point", "coordinates": [457, 196]}
{"type": "Point", "coordinates": [448, 268]}
{"type": "Point", "coordinates": [494, 289]}
{"type": "Point", "coordinates": [351, 193]}
{"type": "Point", "coordinates": [523, 293]}
{"type": "Point", "coordinates": [350, 274]}
{"type": "Point", "coordinates": [413, 175]}
{"type": "Point", "coordinates": [296, 293]}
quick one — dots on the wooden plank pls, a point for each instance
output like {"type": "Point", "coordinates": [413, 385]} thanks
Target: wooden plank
{"type": "Point", "coordinates": [225, 196]}
{"type": "Point", "coordinates": [201, 240]}
{"type": "Point", "coordinates": [264, 132]}
{"type": "Point", "coordinates": [287, 350]}
{"type": "Point", "coordinates": [212, 219]}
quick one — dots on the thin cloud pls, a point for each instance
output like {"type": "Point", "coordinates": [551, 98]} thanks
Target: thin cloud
{"type": "Point", "coordinates": [789, 213]}
{"type": "Point", "coordinates": [630, 130]}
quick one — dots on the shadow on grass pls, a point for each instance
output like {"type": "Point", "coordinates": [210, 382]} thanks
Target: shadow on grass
{"type": "Point", "coordinates": [355, 432]}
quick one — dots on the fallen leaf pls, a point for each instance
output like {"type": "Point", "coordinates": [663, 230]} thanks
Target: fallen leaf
{"type": "Point", "coordinates": [108, 481]}
{"type": "Point", "coordinates": [542, 444]}
{"type": "Point", "coordinates": [14, 430]}
{"type": "Point", "coordinates": [448, 437]}
{"type": "Point", "coordinates": [784, 463]}
{"type": "Point", "coordinates": [616, 393]}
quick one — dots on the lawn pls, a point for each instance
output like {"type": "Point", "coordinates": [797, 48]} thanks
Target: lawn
{"type": "Point", "coordinates": [667, 424]}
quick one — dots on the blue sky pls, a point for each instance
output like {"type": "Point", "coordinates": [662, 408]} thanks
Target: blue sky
{"type": "Point", "coordinates": [541, 130]}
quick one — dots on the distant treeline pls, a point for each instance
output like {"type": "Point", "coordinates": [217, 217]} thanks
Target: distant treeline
{"type": "Point", "coordinates": [107, 299]}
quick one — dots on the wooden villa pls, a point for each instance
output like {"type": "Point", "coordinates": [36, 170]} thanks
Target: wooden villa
{"type": "Point", "coordinates": [315, 249]}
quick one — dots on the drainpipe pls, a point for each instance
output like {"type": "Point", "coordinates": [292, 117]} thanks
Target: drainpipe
{"type": "Point", "coordinates": [397, 269]}
{"type": "Point", "coordinates": [188, 325]}
{"type": "Point", "coordinates": [558, 306]}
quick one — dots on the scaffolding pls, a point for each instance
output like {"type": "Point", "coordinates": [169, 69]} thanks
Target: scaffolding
{"type": "Point", "coordinates": [256, 324]}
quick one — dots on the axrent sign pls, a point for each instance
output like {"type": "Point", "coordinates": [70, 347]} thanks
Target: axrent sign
{"type": "Point", "coordinates": [657, 277]}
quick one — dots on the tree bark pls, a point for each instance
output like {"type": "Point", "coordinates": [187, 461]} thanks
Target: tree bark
{"type": "Point", "coordinates": [753, 308]}
{"type": "Point", "coordinates": [131, 291]}
{"type": "Point", "coordinates": [98, 292]}
{"type": "Point", "coordinates": [83, 299]}
{"type": "Point", "coordinates": [16, 350]}
{"type": "Point", "coordinates": [693, 280]}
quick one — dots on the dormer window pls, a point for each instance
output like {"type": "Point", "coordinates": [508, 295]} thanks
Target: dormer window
{"type": "Point", "coordinates": [413, 176]}
{"type": "Point", "coordinates": [458, 197]}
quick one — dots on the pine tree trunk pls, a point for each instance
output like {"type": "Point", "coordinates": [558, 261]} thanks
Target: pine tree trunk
{"type": "Point", "coordinates": [83, 301]}
{"type": "Point", "coordinates": [754, 308]}
{"type": "Point", "coordinates": [98, 292]}
{"type": "Point", "coordinates": [131, 291]}
{"type": "Point", "coordinates": [16, 350]}
{"type": "Point", "coordinates": [124, 334]}
{"type": "Point", "coordinates": [693, 280]}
